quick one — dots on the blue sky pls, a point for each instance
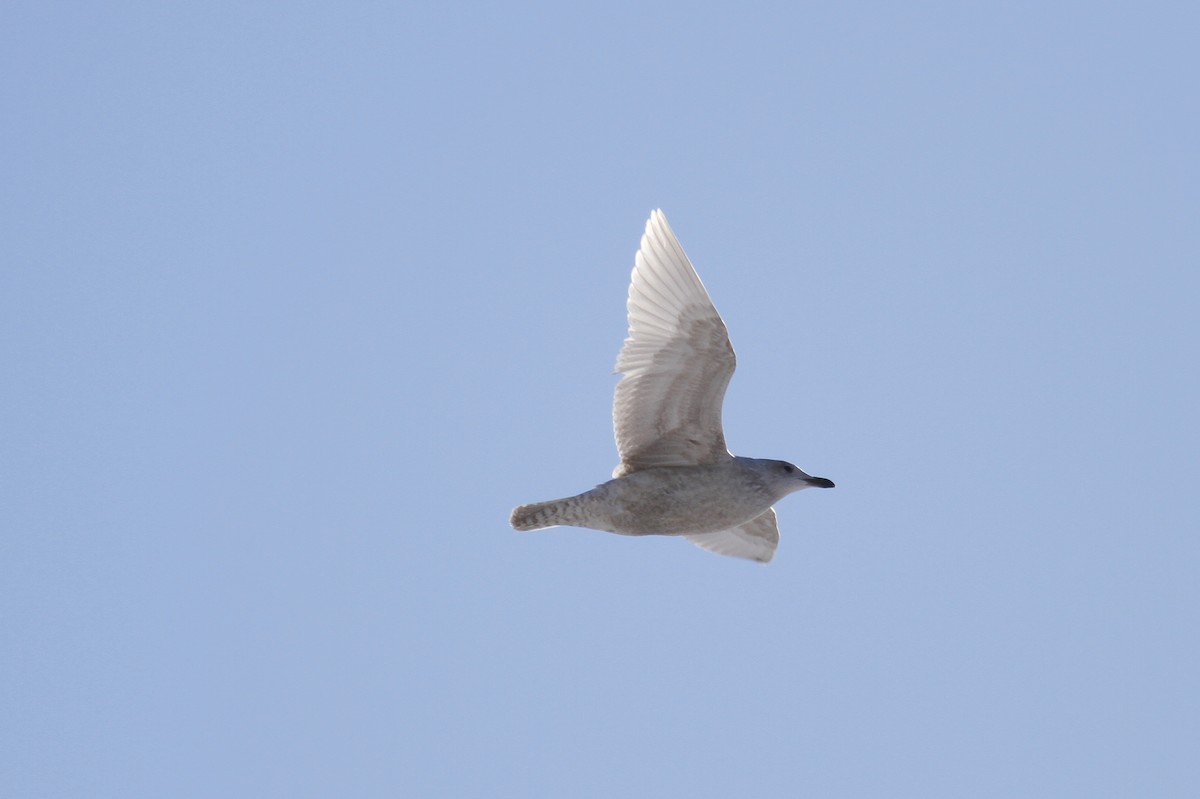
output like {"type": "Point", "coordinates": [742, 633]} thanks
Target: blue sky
{"type": "Point", "coordinates": [299, 300]}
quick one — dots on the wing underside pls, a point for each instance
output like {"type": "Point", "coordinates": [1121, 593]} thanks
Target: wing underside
{"type": "Point", "coordinates": [754, 540]}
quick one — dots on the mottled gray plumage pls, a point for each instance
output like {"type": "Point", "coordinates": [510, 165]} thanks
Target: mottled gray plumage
{"type": "Point", "coordinates": [676, 476]}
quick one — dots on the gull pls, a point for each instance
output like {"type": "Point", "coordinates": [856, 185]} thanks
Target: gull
{"type": "Point", "coordinates": [676, 476]}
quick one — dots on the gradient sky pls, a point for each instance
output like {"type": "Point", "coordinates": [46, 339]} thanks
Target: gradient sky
{"type": "Point", "coordinates": [299, 300]}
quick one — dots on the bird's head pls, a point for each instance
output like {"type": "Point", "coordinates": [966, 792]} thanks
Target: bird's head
{"type": "Point", "coordinates": [785, 478]}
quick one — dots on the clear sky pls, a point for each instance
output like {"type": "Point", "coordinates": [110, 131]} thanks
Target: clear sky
{"type": "Point", "coordinates": [298, 300]}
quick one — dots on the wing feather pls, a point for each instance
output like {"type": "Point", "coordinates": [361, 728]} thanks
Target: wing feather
{"type": "Point", "coordinates": [754, 540]}
{"type": "Point", "coordinates": [677, 361]}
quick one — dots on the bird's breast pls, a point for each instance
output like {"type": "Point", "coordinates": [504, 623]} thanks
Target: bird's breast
{"type": "Point", "coordinates": [673, 500]}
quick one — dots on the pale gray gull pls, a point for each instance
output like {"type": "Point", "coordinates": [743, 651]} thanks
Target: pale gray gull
{"type": "Point", "coordinates": [676, 476]}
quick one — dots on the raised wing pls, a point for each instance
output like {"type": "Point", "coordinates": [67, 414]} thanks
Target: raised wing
{"type": "Point", "coordinates": [677, 362]}
{"type": "Point", "coordinates": [754, 540]}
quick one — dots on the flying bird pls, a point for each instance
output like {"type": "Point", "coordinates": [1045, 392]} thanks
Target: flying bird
{"type": "Point", "coordinates": [676, 476]}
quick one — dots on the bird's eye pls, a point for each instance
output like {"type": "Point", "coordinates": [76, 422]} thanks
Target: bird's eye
{"type": "Point", "coordinates": [787, 467]}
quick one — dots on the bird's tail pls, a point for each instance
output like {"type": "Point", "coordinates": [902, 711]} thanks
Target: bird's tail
{"type": "Point", "coordinates": [549, 514]}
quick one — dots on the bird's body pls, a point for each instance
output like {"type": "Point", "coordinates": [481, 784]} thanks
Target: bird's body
{"type": "Point", "coordinates": [675, 476]}
{"type": "Point", "coordinates": [668, 500]}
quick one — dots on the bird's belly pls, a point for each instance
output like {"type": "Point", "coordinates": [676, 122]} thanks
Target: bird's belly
{"type": "Point", "coordinates": [675, 500]}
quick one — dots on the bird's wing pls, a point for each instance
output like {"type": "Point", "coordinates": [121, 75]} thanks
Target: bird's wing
{"type": "Point", "coordinates": [754, 540]}
{"type": "Point", "coordinates": [677, 362]}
